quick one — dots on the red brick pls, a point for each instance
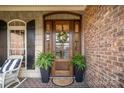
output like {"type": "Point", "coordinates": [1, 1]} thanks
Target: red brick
{"type": "Point", "coordinates": [121, 59]}
{"type": "Point", "coordinates": [104, 36]}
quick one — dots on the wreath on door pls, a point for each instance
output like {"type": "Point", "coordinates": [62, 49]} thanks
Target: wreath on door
{"type": "Point", "coordinates": [62, 36]}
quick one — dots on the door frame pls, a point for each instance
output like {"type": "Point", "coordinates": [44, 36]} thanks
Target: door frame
{"type": "Point", "coordinates": [53, 23]}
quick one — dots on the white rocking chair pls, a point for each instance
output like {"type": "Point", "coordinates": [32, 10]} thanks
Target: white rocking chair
{"type": "Point", "coordinates": [10, 70]}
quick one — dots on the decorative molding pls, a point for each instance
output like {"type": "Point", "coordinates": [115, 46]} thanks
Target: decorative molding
{"type": "Point", "coordinates": [43, 8]}
{"type": "Point", "coordinates": [62, 16]}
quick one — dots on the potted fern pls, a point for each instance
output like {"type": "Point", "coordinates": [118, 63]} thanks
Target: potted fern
{"type": "Point", "coordinates": [78, 62]}
{"type": "Point", "coordinates": [44, 62]}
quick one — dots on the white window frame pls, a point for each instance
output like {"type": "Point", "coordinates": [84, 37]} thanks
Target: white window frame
{"type": "Point", "coordinates": [8, 38]}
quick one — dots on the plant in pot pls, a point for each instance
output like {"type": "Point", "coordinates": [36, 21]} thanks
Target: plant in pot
{"type": "Point", "coordinates": [44, 62]}
{"type": "Point", "coordinates": [79, 64]}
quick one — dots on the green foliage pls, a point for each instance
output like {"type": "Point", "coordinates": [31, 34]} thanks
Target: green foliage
{"type": "Point", "coordinates": [78, 61]}
{"type": "Point", "coordinates": [44, 60]}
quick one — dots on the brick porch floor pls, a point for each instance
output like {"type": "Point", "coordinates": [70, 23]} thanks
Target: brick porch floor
{"type": "Point", "coordinates": [36, 83]}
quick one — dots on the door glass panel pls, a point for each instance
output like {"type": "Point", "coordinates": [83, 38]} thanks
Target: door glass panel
{"type": "Point", "coordinates": [76, 38]}
{"type": "Point", "coordinates": [48, 33]}
{"type": "Point", "coordinates": [62, 41]}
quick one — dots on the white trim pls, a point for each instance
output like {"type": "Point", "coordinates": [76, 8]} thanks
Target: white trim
{"type": "Point", "coordinates": [16, 27]}
{"type": "Point", "coordinates": [8, 38]}
{"type": "Point", "coordinates": [17, 20]}
{"type": "Point", "coordinates": [26, 49]}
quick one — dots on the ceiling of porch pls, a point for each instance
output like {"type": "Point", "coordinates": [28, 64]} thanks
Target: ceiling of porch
{"type": "Point", "coordinates": [42, 7]}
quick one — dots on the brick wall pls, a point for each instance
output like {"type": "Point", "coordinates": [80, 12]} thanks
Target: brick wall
{"type": "Point", "coordinates": [104, 45]}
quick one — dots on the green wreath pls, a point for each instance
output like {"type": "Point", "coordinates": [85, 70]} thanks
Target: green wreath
{"type": "Point", "coordinates": [62, 36]}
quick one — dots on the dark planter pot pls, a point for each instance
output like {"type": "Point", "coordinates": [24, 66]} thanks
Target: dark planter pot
{"type": "Point", "coordinates": [45, 75]}
{"type": "Point", "coordinates": [79, 75]}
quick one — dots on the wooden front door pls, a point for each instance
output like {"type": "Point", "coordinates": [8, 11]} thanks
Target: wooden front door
{"type": "Point", "coordinates": [62, 49]}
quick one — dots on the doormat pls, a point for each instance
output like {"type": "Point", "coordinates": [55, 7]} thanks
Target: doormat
{"type": "Point", "coordinates": [62, 81]}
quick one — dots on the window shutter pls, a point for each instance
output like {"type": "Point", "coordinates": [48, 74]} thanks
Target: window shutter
{"type": "Point", "coordinates": [3, 42]}
{"type": "Point", "coordinates": [30, 44]}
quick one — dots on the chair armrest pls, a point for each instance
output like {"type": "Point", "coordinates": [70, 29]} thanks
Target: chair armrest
{"type": "Point", "coordinates": [11, 71]}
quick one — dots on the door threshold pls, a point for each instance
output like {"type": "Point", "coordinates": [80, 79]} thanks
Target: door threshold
{"type": "Point", "coordinates": [62, 77]}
